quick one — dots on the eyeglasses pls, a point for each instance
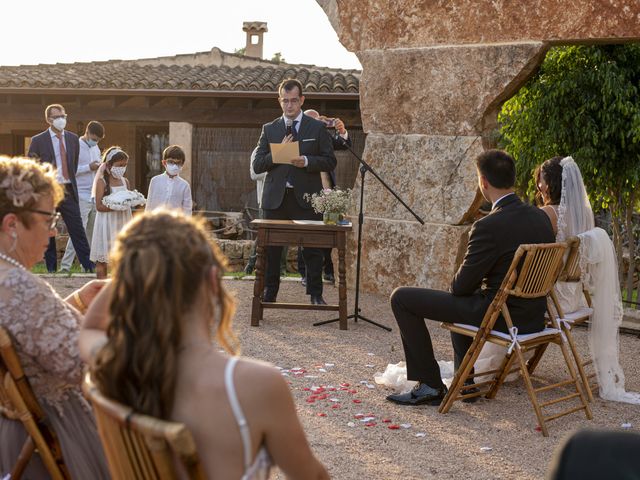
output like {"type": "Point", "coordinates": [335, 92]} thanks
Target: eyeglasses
{"type": "Point", "coordinates": [55, 117]}
{"type": "Point", "coordinates": [53, 216]}
{"type": "Point", "coordinates": [289, 101]}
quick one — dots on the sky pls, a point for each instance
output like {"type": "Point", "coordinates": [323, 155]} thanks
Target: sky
{"type": "Point", "coordinates": [81, 31]}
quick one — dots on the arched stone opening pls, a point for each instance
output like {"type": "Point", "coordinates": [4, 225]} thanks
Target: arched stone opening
{"type": "Point", "coordinates": [435, 75]}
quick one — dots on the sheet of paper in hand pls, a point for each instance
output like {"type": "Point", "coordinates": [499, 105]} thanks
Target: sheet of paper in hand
{"type": "Point", "coordinates": [284, 152]}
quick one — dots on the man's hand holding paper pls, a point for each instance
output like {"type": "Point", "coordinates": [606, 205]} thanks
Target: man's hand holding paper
{"type": "Point", "coordinates": [287, 152]}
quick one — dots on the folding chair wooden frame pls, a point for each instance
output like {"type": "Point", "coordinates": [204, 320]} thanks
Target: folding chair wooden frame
{"type": "Point", "coordinates": [140, 447]}
{"type": "Point", "coordinates": [532, 274]}
{"type": "Point", "coordinates": [18, 402]}
{"type": "Point", "coordinates": [566, 320]}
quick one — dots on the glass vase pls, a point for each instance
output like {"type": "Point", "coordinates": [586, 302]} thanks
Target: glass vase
{"type": "Point", "coordinates": [331, 218]}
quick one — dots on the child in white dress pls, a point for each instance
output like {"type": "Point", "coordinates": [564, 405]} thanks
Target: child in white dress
{"type": "Point", "coordinates": [109, 179]}
{"type": "Point", "coordinates": [168, 189]}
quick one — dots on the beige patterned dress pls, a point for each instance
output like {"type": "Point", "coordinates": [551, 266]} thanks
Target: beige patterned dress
{"type": "Point", "coordinates": [45, 330]}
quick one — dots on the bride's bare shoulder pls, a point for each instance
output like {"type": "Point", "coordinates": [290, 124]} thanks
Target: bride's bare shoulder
{"type": "Point", "coordinates": [553, 216]}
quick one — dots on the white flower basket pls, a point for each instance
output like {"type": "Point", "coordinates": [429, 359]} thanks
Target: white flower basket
{"type": "Point", "coordinates": [123, 200]}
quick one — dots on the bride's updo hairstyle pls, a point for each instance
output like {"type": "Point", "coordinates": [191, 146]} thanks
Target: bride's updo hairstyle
{"type": "Point", "coordinates": [551, 172]}
{"type": "Point", "coordinates": [162, 263]}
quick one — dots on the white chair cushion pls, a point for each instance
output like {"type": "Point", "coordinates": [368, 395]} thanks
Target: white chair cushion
{"type": "Point", "coordinates": [580, 314]}
{"type": "Point", "coordinates": [506, 336]}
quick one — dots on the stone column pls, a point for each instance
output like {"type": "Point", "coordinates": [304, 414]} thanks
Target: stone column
{"type": "Point", "coordinates": [181, 133]}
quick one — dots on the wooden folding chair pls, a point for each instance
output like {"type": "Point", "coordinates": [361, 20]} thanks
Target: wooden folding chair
{"type": "Point", "coordinates": [532, 274]}
{"type": "Point", "coordinates": [140, 447]}
{"type": "Point", "coordinates": [566, 320]}
{"type": "Point", "coordinates": [18, 402]}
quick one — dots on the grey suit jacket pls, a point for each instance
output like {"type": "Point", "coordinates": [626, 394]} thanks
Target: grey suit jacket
{"type": "Point", "coordinates": [315, 143]}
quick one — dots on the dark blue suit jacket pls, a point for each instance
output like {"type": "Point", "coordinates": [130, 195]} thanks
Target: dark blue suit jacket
{"type": "Point", "coordinates": [41, 148]}
{"type": "Point", "coordinates": [315, 143]}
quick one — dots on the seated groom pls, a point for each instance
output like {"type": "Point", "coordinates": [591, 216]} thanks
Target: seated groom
{"type": "Point", "coordinates": [493, 241]}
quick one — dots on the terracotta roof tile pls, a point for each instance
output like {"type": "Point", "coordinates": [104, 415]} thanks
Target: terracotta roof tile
{"type": "Point", "coordinates": [125, 74]}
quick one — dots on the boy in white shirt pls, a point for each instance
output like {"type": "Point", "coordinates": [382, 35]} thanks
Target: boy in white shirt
{"type": "Point", "coordinates": [169, 189]}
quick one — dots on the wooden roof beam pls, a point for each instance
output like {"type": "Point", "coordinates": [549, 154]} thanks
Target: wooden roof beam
{"type": "Point", "coordinates": [117, 100]}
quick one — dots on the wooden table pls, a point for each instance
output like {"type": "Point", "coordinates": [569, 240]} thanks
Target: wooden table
{"type": "Point", "coordinates": [280, 233]}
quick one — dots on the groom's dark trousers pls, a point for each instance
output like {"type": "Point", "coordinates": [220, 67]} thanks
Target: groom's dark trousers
{"type": "Point", "coordinates": [493, 241]}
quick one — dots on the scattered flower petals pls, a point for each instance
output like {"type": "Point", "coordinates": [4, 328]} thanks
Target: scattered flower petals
{"type": "Point", "coordinates": [357, 401]}
{"type": "Point", "coordinates": [370, 386]}
{"type": "Point", "coordinates": [358, 415]}
{"type": "Point", "coordinates": [329, 364]}
{"type": "Point", "coordinates": [345, 385]}
{"type": "Point", "coordinates": [538, 428]}
{"type": "Point", "coordinates": [323, 370]}
{"type": "Point", "coordinates": [334, 399]}
{"type": "Point", "coordinates": [371, 354]}
{"type": "Point", "coordinates": [351, 424]}
{"type": "Point", "coordinates": [368, 365]}
{"type": "Point", "coordinates": [335, 405]}
{"type": "Point", "coordinates": [421, 434]}
{"type": "Point", "coordinates": [322, 414]}
{"type": "Point", "coordinates": [370, 424]}
{"type": "Point", "coordinates": [364, 382]}
{"type": "Point", "coordinates": [485, 449]}
{"type": "Point", "coordinates": [386, 420]}
{"type": "Point", "coordinates": [367, 419]}
{"type": "Point", "coordinates": [626, 425]}
{"type": "Point", "coordinates": [311, 376]}
{"type": "Point", "coordinates": [393, 427]}
{"type": "Point", "coordinates": [405, 425]}
{"type": "Point", "coordinates": [353, 391]}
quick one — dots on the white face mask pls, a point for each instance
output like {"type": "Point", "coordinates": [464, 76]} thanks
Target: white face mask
{"type": "Point", "coordinates": [118, 172]}
{"type": "Point", "coordinates": [173, 169]}
{"type": "Point", "coordinates": [59, 123]}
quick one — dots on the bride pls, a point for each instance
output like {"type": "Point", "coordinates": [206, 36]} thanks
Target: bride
{"type": "Point", "coordinates": [565, 201]}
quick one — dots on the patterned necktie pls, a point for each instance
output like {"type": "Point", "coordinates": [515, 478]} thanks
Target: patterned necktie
{"type": "Point", "coordinates": [63, 157]}
{"type": "Point", "coordinates": [294, 132]}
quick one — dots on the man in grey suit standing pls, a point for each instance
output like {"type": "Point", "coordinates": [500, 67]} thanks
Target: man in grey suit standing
{"type": "Point", "coordinates": [286, 184]}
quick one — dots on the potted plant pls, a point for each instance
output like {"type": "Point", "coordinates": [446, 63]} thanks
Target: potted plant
{"type": "Point", "coordinates": [332, 203]}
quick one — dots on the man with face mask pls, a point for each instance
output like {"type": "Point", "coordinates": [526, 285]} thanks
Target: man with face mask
{"type": "Point", "coordinates": [88, 162]}
{"type": "Point", "coordinates": [61, 148]}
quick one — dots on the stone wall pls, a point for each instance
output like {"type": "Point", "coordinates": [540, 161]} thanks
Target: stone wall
{"type": "Point", "coordinates": [435, 75]}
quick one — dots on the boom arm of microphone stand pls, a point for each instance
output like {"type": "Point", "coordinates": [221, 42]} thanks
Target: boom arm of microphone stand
{"type": "Point", "coordinates": [368, 167]}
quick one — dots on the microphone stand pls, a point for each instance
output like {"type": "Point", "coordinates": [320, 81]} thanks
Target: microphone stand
{"type": "Point", "coordinates": [364, 168]}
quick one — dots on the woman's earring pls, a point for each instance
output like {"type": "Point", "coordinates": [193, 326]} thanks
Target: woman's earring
{"type": "Point", "coordinates": [14, 244]}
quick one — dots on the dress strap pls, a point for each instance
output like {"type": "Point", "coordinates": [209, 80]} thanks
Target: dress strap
{"type": "Point", "coordinates": [237, 410]}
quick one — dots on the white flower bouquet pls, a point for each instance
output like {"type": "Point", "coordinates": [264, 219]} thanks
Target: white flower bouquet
{"type": "Point", "coordinates": [333, 204]}
{"type": "Point", "coordinates": [123, 200]}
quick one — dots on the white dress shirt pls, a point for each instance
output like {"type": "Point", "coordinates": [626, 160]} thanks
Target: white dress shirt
{"type": "Point", "coordinates": [170, 192]}
{"type": "Point", "coordinates": [498, 200]}
{"type": "Point", "coordinates": [84, 174]}
{"type": "Point", "coordinates": [56, 151]}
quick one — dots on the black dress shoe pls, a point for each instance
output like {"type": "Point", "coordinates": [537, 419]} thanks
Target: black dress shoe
{"type": "Point", "coordinates": [269, 296]}
{"type": "Point", "coordinates": [466, 390]}
{"type": "Point", "coordinates": [317, 300]}
{"type": "Point", "coordinates": [329, 277]}
{"type": "Point", "coordinates": [421, 394]}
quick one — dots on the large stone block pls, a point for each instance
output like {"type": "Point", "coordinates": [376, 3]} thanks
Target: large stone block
{"type": "Point", "coordinates": [442, 90]}
{"type": "Point", "coordinates": [397, 253]}
{"type": "Point", "coordinates": [434, 175]}
{"type": "Point", "coordinates": [373, 24]}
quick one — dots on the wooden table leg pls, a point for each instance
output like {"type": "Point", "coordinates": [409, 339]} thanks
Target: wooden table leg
{"type": "Point", "coordinates": [342, 281]}
{"type": "Point", "coordinates": [258, 285]}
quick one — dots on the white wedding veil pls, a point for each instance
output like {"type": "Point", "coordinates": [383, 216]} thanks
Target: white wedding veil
{"type": "Point", "coordinates": [599, 269]}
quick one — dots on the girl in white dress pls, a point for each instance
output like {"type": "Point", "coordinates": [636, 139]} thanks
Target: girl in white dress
{"type": "Point", "coordinates": [109, 179]}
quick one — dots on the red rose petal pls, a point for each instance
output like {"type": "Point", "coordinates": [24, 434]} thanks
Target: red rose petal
{"type": "Point", "coordinates": [311, 400]}
{"type": "Point", "coordinates": [357, 401]}
{"type": "Point", "coordinates": [386, 420]}
{"type": "Point", "coordinates": [322, 414]}
{"type": "Point", "coordinates": [538, 428]}
{"type": "Point", "coordinates": [335, 405]}
{"type": "Point", "coordinates": [353, 391]}
{"type": "Point", "coordinates": [394, 427]}
{"type": "Point", "coordinates": [358, 416]}
{"type": "Point", "coordinates": [345, 384]}
{"type": "Point", "coordinates": [306, 389]}
{"type": "Point", "coordinates": [370, 424]}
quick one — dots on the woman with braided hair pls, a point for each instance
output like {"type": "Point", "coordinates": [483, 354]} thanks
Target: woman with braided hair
{"type": "Point", "coordinates": [150, 340]}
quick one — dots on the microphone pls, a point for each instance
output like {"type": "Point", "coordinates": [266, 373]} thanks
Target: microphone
{"type": "Point", "coordinates": [288, 122]}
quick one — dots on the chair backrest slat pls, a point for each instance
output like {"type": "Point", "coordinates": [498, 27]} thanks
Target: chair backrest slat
{"type": "Point", "coordinates": [571, 270]}
{"type": "Point", "coordinates": [532, 274]}
{"type": "Point", "coordinates": [142, 447]}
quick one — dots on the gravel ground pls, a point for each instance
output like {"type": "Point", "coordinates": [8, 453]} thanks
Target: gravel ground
{"type": "Point", "coordinates": [454, 445]}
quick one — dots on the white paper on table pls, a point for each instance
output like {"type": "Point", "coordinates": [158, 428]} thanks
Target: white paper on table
{"type": "Point", "coordinates": [308, 222]}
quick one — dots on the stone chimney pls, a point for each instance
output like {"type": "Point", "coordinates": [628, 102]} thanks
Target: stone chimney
{"type": "Point", "coordinates": [254, 30]}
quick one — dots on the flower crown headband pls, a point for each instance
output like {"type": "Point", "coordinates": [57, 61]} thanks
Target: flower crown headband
{"type": "Point", "coordinates": [112, 154]}
{"type": "Point", "coordinates": [17, 189]}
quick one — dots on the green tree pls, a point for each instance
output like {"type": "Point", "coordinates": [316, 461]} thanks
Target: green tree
{"type": "Point", "coordinates": [585, 102]}
{"type": "Point", "coordinates": [240, 51]}
{"type": "Point", "coordinates": [278, 58]}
